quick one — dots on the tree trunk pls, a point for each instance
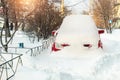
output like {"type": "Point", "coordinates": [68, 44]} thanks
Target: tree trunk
{"type": "Point", "coordinates": [7, 27]}
{"type": "Point", "coordinates": [5, 46]}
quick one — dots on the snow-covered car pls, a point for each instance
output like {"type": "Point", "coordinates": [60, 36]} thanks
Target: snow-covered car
{"type": "Point", "coordinates": [78, 31]}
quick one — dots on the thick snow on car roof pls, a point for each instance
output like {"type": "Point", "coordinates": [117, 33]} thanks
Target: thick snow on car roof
{"type": "Point", "coordinates": [77, 29]}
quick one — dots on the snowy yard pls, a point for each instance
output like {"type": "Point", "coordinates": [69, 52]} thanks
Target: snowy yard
{"type": "Point", "coordinates": [93, 65]}
{"type": "Point", "coordinates": [70, 63]}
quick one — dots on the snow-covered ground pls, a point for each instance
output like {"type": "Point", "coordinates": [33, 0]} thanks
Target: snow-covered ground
{"type": "Point", "coordinates": [93, 65]}
{"type": "Point", "coordinates": [70, 63]}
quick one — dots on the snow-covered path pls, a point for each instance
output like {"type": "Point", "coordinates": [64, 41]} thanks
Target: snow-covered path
{"type": "Point", "coordinates": [56, 67]}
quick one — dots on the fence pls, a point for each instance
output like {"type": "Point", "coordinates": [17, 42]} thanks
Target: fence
{"type": "Point", "coordinates": [9, 67]}
{"type": "Point", "coordinates": [34, 51]}
{"type": "Point", "coordinates": [39, 49]}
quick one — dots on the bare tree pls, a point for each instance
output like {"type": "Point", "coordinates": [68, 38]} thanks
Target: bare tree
{"type": "Point", "coordinates": [6, 24]}
{"type": "Point", "coordinates": [104, 11]}
{"type": "Point", "coordinates": [45, 19]}
{"type": "Point", "coordinates": [14, 12]}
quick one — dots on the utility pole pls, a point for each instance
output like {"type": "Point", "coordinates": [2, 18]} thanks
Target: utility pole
{"type": "Point", "coordinates": [62, 7]}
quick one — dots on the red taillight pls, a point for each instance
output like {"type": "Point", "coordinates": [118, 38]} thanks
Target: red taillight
{"type": "Point", "coordinates": [100, 44]}
{"type": "Point", "coordinates": [54, 48]}
{"type": "Point", "coordinates": [87, 45]}
{"type": "Point", "coordinates": [64, 45]}
{"type": "Point", "coordinates": [54, 32]}
{"type": "Point", "coordinates": [100, 31]}
{"type": "Point", "coordinates": [57, 47]}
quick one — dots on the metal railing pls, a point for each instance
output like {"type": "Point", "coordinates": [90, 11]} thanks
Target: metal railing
{"type": "Point", "coordinates": [17, 49]}
{"type": "Point", "coordinates": [39, 49]}
{"type": "Point", "coordinates": [34, 51]}
{"type": "Point", "coordinates": [9, 67]}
